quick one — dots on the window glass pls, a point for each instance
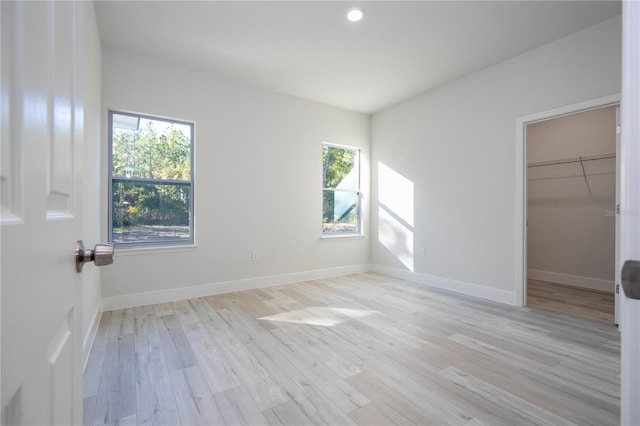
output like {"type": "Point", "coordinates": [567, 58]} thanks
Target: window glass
{"type": "Point", "coordinates": [341, 190]}
{"type": "Point", "coordinates": [151, 180]}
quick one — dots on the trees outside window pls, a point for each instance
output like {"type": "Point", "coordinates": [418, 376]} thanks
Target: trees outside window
{"type": "Point", "coordinates": [151, 180]}
{"type": "Point", "coordinates": [341, 190]}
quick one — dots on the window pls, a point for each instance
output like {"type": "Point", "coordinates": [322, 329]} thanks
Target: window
{"type": "Point", "coordinates": [341, 190]}
{"type": "Point", "coordinates": [150, 180]}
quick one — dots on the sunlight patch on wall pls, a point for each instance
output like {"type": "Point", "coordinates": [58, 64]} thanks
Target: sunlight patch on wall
{"type": "Point", "coordinates": [396, 214]}
{"type": "Point", "coordinates": [396, 193]}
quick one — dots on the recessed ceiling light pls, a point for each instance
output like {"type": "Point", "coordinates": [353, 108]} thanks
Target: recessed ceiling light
{"type": "Point", "coordinates": [354, 14]}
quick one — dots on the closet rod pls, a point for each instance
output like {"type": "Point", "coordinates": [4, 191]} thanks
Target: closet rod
{"type": "Point", "coordinates": [572, 160]}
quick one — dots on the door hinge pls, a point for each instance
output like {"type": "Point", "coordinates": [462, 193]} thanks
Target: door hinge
{"type": "Point", "coordinates": [618, 130]}
{"type": "Point", "coordinates": [618, 209]}
{"type": "Point", "coordinates": [617, 288]}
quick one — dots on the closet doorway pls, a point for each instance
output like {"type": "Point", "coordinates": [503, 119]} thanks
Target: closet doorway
{"type": "Point", "coordinates": [571, 214]}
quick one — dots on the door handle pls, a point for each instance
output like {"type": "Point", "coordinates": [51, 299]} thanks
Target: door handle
{"type": "Point", "coordinates": [102, 254]}
{"type": "Point", "coordinates": [630, 278]}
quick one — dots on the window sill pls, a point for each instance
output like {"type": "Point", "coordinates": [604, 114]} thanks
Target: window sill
{"type": "Point", "coordinates": [342, 237]}
{"type": "Point", "coordinates": [134, 251]}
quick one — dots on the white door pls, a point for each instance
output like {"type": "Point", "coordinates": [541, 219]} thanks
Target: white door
{"type": "Point", "coordinates": [42, 137]}
{"type": "Point", "coordinates": [630, 210]}
{"type": "Point", "coordinates": [617, 263]}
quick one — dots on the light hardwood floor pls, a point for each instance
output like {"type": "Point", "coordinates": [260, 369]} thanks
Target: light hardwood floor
{"type": "Point", "coordinates": [575, 301]}
{"type": "Point", "coordinates": [364, 349]}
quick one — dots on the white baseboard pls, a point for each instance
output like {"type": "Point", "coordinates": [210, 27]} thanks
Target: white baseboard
{"type": "Point", "coordinates": [465, 288]}
{"type": "Point", "coordinates": [574, 280]}
{"type": "Point", "coordinates": [181, 293]}
{"type": "Point", "coordinates": [87, 343]}
{"type": "Point", "coordinates": [170, 295]}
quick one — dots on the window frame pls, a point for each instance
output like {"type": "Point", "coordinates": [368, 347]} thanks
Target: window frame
{"type": "Point", "coordinates": [358, 193]}
{"type": "Point", "coordinates": [110, 181]}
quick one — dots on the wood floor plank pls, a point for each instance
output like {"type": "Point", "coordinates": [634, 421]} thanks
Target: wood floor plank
{"type": "Point", "coordinates": [115, 323]}
{"type": "Point", "coordinates": [607, 382]}
{"type": "Point", "coordinates": [216, 301]}
{"type": "Point", "coordinates": [339, 391]}
{"type": "Point", "coordinates": [126, 421]}
{"type": "Point", "coordinates": [566, 350]}
{"type": "Point", "coordinates": [88, 410]}
{"type": "Point", "coordinates": [526, 351]}
{"type": "Point", "coordinates": [234, 326]}
{"type": "Point", "coordinates": [209, 316]}
{"type": "Point", "coordinates": [529, 412]}
{"type": "Point", "coordinates": [253, 307]}
{"type": "Point", "coordinates": [156, 404]}
{"type": "Point", "coordinates": [370, 414]}
{"type": "Point", "coordinates": [251, 373]}
{"type": "Point", "coordinates": [342, 363]}
{"type": "Point", "coordinates": [95, 363]}
{"type": "Point", "coordinates": [195, 402]}
{"type": "Point", "coordinates": [271, 418]}
{"type": "Point", "coordinates": [478, 422]}
{"type": "Point", "coordinates": [175, 346]}
{"type": "Point", "coordinates": [569, 300]}
{"type": "Point", "coordinates": [296, 384]}
{"type": "Point", "coordinates": [162, 309]}
{"type": "Point", "coordinates": [121, 323]}
{"type": "Point", "coordinates": [238, 408]}
{"type": "Point", "coordinates": [184, 311]}
{"type": "Point", "coordinates": [444, 404]}
{"type": "Point", "coordinates": [362, 349]}
{"type": "Point", "coordinates": [116, 398]}
{"type": "Point", "coordinates": [289, 413]}
{"type": "Point", "coordinates": [217, 371]}
{"type": "Point", "coordinates": [390, 402]}
{"type": "Point", "coordinates": [566, 400]}
{"type": "Point", "coordinates": [241, 308]}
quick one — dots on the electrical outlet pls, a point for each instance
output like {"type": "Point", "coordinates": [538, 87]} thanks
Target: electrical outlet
{"type": "Point", "coordinates": [423, 252]}
{"type": "Point", "coordinates": [255, 256]}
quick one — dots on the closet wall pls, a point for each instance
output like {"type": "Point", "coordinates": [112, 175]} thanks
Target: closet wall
{"type": "Point", "coordinates": [571, 203]}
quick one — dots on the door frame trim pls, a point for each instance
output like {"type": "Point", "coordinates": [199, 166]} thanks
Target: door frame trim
{"type": "Point", "coordinates": [521, 179]}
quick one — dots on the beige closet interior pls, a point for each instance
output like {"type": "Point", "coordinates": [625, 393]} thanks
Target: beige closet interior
{"type": "Point", "coordinates": [571, 188]}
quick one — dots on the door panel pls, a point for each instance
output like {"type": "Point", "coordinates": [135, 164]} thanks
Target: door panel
{"type": "Point", "coordinates": [12, 76]}
{"type": "Point", "coordinates": [42, 211]}
{"type": "Point", "coordinates": [60, 359]}
{"type": "Point", "coordinates": [618, 263]}
{"type": "Point", "coordinates": [60, 172]}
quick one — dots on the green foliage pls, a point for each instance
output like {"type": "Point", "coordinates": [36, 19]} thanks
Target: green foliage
{"type": "Point", "coordinates": [145, 154]}
{"type": "Point", "coordinates": [337, 163]}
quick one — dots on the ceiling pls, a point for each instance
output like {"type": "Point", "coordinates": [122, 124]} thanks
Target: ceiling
{"type": "Point", "coordinates": [308, 49]}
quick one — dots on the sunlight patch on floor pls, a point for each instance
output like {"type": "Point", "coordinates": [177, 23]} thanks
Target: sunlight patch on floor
{"type": "Point", "coordinates": [319, 315]}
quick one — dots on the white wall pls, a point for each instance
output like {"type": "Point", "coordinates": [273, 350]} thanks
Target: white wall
{"type": "Point", "coordinates": [455, 145]}
{"type": "Point", "coordinates": [571, 232]}
{"type": "Point", "coordinates": [91, 292]}
{"type": "Point", "coordinates": [258, 173]}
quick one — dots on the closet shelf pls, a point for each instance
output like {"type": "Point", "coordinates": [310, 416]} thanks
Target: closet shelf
{"type": "Point", "coordinates": [585, 167]}
{"type": "Point", "coordinates": [572, 160]}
